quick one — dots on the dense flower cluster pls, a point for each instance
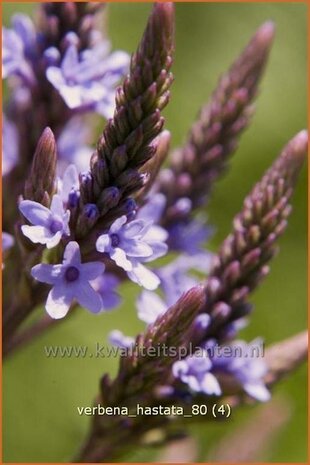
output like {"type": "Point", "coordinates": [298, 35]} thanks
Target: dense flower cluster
{"type": "Point", "coordinates": [80, 76]}
{"type": "Point", "coordinates": [87, 222]}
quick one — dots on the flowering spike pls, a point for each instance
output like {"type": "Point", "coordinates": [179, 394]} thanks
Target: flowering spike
{"type": "Point", "coordinates": [124, 145]}
{"type": "Point", "coordinates": [40, 185]}
{"type": "Point", "coordinates": [214, 136]}
{"type": "Point", "coordinates": [162, 332]}
{"type": "Point", "coordinates": [242, 260]}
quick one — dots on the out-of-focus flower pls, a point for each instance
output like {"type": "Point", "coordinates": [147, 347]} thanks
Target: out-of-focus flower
{"type": "Point", "coordinates": [49, 225]}
{"type": "Point", "coordinates": [200, 370]}
{"type": "Point", "coordinates": [72, 144]}
{"type": "Point", "coordinates": [9, 145]}
{"type": "Point", "coordinates": [174, 281]}
{"type": "Point", "coordinates": [89, 79]}
{"type": "Point", "coordinates": [131, 244]}
{"type": "Point", "coordinates": [70, 281]}
{"type": "Point", "coordinates": [189, 235]}
{"type": "Point", "coordinates": [245, 365]}
{"type": "Point", "coordinates": [18, 48]}
{"type": "Point", "coordinates": [195, 372]}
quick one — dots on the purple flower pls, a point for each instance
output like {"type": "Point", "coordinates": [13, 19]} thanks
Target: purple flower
{"type": "Point", "coordinates": [88, 79]}
{"type": "Point", "coordinates": [70, 281]}
{"type": "Point", "coordinates": [189, 235]}
{"type": "Point", "coordinates": [118, 339]}
{"type": "Point", "coordinates": [195, 372]}
{"type": "Point", "coordinates": [18, 48]}
{"type": "Point", "coordinates": [243, 363]}
{"type": "Point", "coordinates": [174, 281]}
{"type": "Point", "coordinates": [129, 245]}
{"type": "Point", "coordinates": [199, 371]}
{"type": "Point", "coordinates": [49, 225]}
{"type": "Point", "coordinates": [9, 145]}
{"type": "Point", "coordinates": [106, 286]}
{"type": "Point", "coordinates": [72, 144]}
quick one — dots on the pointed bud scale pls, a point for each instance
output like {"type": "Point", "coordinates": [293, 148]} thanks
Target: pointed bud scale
{"type": "Point", "coordinates": [40, 185]}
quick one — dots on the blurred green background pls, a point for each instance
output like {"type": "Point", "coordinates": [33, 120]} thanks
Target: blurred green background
{"type": "Point", "coordinates": [41, 395]}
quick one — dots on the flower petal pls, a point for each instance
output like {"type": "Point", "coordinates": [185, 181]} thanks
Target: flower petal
{"type": "Point", "coordinates": [72, 254]}
{"type": "Point", "coordinates": [133, 228]}
{"type": "Point", "coordinates": [137, 249]}
{"type": "Point", "coordinates": [117, 225]}
{"type": "Point", "coordinates": [150, 306]}
{"type": "Point", "coordinates": [58, 301]}
{"type": "Point", "coordinates": [210, 385]}
{"type": "Point", "coordinates": [87, 297]}
{"type": "Point", "coordinates": [103, 243]}
{"type": "Point", "coordinates": [70, 178]}
{"type": "Point", "coordinates": [153, 209]}
{"type": "Point", "coordinates": [91, 270]}
{"type": "Point", "coordinates": [257, 391]}
{"type": "Point", "coordinates": [49, 274]}
{"type": "Point", "coordinates": [37, 234]}
{"type": "Point", "coordinates": [70, 61]}
{"type": "Point", "coordinates": [144, 277]}
{"type": "Point", "coordinates": [56, 205]}
{"type": "Point", "coordinates": [119, 256]}
{"type": "Point", "coordinates": [34, 212]}
{"type": "Point", "coordinates": [54, 240]}
{"type": "Point", "coordinates": [159, 250]}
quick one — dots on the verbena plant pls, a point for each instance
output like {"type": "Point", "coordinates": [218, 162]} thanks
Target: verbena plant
{"type": "Point", "coordinates": [79, 221]}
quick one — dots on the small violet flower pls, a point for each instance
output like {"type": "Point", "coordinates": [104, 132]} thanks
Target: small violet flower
{"type": "Point", "coordinates": [88, 80]}
{"type": "Point", "coordinates": [245, 364]}
{"type": "Point", "coordinates": [195, 372]}
{"type": "Point", "coordinates": [199, 371]}
{"type": "Point", "coordinates": [49, 225]}
{"type": "Point", "coordinates": [129, 245]}
{"type": "Point", "coordinates": [70, 280]}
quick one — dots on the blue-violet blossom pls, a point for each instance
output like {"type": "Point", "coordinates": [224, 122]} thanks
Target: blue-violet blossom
{"type": "Point", "coordinates": [199, 371]}
{"type": "Point", "coordinates": [129, 245]}
{"type": "Point", "coordinates": [49, 225]}
{"type": "Point", "coordinates": [70, 280]}
{"type": "Point", "coordinates": [88, 80]}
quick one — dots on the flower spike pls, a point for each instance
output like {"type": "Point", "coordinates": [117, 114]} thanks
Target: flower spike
{"type": "Point", "coordinates": [126, 143]}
